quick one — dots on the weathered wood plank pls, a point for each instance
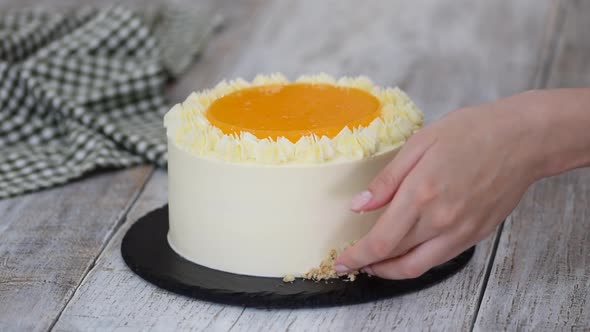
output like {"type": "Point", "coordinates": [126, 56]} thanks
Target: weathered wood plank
{"type": "Point", "coordinates": [448, 59]}
{"type": "Point", "coordinates": [541, 277]}
{"type": "Point", "coordinates": [571, 67]}
{"type": "Point", "coordinates": [112, 297]}
{"type": "Point", "coordinates": [49, 240]}
{"type": "Point", "coordinates": [542, 273]}
{"type": "Point", "coordinates": [445, 54]}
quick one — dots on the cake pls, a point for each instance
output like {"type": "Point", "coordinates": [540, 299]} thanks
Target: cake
{"type": "Point", "coordinates": [261, 173]}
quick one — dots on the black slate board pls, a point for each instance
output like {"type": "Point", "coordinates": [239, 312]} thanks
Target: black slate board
{"type": "Point", "coordinates": [146, 251]}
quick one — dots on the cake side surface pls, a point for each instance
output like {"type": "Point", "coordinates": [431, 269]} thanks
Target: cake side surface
{"type": "Point", "coordinates": [264, 220]}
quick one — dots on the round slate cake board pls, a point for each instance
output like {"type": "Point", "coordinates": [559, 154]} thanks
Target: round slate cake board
{"type": "Point", "coordinates": [146, 251]}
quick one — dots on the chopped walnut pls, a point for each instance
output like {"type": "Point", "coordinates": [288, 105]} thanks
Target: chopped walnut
{"type": "Point", "coordinates": [326, 269]}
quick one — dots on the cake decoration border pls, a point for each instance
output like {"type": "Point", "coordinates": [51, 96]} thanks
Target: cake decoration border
{"type": "Point", "coordinates": [188, 127]}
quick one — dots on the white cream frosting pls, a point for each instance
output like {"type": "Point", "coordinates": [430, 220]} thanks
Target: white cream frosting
{"type": "Point", "coordinates": [189, 128]}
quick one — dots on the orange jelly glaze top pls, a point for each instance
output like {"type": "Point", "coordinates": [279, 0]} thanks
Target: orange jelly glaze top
{"type": "Point", "coordinates": [293, 110]}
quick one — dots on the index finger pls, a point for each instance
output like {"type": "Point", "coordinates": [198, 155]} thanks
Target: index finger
{"type": "Point", "coordinates": [378, 244]}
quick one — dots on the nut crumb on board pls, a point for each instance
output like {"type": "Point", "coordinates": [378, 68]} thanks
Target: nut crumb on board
{"type": "Point", "coordinates": [288, 278]}
{"type": "Point", "coordinates": [325, 271]}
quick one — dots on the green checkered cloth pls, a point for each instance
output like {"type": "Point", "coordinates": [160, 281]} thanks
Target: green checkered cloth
{"type": "Point", "coordinates": [85, 90]}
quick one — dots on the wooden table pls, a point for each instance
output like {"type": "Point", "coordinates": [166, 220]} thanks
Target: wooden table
{"type": "Point", "coordinates": [60, 264]}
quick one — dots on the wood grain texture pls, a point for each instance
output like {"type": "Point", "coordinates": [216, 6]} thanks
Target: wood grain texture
{"type": "Point", "coordinates": [571, 67]}
{"type": "Point", "coordinates": [112, 297]}
{"type": "Point", "coordinates": [444, 53]}
{"type": "Point", "coordinates": [541, 277]}
{"type": "Point", "coordinates": [49, 240]}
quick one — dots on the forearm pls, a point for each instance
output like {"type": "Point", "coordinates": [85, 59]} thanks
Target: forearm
{"type": "Point", "coordinates": [562, 121]}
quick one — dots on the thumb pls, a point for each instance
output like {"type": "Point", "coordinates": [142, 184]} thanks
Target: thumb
{"type": "Point", "coordinates": [385, 184]}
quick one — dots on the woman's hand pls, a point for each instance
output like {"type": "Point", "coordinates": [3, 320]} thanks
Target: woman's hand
{"type": "Point", "coordinates": [449, 187]}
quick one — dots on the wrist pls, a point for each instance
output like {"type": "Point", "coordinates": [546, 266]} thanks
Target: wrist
{"type": "Point", "coordinates": [557, 125]}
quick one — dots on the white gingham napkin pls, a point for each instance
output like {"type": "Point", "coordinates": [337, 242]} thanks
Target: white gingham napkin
{"type": "Point", "coordinates": [85, 90]}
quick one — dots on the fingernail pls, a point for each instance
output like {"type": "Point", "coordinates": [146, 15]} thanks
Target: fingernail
{"type": "Point", "coordinates": [368, 270]}
{"type": "Point", "coordinates": [360, 200]}
{"type": "Point", "coordinates": [341, 268]}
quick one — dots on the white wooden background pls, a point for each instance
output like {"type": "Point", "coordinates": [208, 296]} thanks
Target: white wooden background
{"type": "Point", "coordinates": [60, 262]}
